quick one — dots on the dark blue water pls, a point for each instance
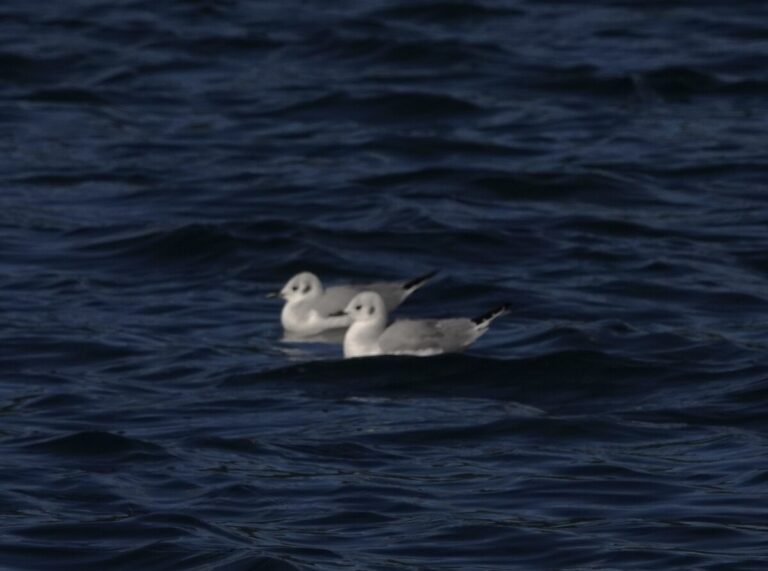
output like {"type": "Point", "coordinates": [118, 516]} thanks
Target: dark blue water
{"type": "Point", "coordinates": [600, 165]}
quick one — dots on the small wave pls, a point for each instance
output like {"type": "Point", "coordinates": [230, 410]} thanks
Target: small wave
{"type": "Point", "coordinates": [552, 380]}
{"type": "Point", "coordinates": [348, 451]}
{"type": "Point", "coordinates": [120, 531]}
{"type": "Point", "coordinates": [137, 543]}
{"type": "Point", "coordinates": [58, 401]}
{"type": "Point", "coordinates": [533, 428]}
{"type": "Point", "coordinates": [351, 519]}
{"type": "Point", "coordinates": [557, 186]}
{"type": "Point", "coordinates": [615, 228]}
{"type": "Point", "coordinates": [738, 406]}
{"type": "Point", "coordinates": [445, 12]}
{"type": "Point", "coordinates": [756, 260]}
{"type": "Point", "coordinates": [680, 83]}
{"type": "Point", "coordinates": [442, 147]}
{"type": "Point", "coordinates": [215, 45]}
{"type": "Point", "coordinates": [65, 179]}
{"type": "Point", "coordinates": [394, 106]}
{"type": "Point", "coordinates": [672, 83]}
{"type": "Point", "coordinates": [72, 95]}
{"type": "Point", "coordinates": [99, 445]}
{"type": "Point", "coordinates": [237, 445]}
{"type": "Point", "coordinates": [525, 185]}
{"type": "Point", "coordinates": [27, 69]}
{"type": "Point", "coordinates": [39, 350]}
{"type": "Point", "coordinates": [191, 244]}
{"type": "Point", "coordinates": [385, 52]}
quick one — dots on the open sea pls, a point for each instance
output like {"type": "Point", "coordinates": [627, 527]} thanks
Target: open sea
{"type": "Point", "coordinates": [600, 165]}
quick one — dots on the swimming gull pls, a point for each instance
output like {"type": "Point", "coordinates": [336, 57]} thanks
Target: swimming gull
{"type": "Point", "coordinates": [369, 335]}
{"type": "Point", "coordinates": [311, 308]}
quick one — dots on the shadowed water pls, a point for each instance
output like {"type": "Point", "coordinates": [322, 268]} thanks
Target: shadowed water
{"type": "Point", "coordinates": [599, 165]}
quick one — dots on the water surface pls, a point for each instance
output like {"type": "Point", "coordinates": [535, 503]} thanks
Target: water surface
{"type": "Point", "coordinates": [600, 165]}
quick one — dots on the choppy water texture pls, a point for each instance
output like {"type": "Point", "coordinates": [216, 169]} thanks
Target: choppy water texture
{"type": "Point", "coordinates": [600, 165]}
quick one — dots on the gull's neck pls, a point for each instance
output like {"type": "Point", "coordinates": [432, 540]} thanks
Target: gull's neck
{"type": "Point", "coordinates": [291, 304]}
{"type": "Point", "coordinates": [292, 316]}
{"type": "Point", "coordinates": [362, 338]}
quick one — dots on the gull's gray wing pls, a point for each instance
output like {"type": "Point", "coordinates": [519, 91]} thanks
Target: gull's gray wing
{"type": "Point", "coordinates": [429, 335]}
{"type": "Point", "coordinates": [393, 293]}
{"type": "Point", "coordinates": [335, 299]}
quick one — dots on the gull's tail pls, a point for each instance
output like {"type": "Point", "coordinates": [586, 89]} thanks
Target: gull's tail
{"type": "Point", "coordinates": [414, 284]}
{"type": "Point", "coordinates": [482, 322]}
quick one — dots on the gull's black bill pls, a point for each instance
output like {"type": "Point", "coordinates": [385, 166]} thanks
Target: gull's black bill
{"type": "Point", "coordinates": [337, 313]}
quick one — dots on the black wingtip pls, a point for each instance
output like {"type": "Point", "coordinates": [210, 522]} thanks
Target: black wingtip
{"type": "Point", "coordinates": [418, 282]}
{"type": "Point", "coordinates": [491, 315]}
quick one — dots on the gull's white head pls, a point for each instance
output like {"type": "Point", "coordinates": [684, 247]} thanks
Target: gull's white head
{"type": "Point", "coordinates": [367, 306]}
{"type": "Point", "coordinates": [305, 285]}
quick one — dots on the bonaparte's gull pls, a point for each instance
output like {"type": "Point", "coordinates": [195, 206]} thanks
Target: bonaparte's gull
{"type": "Point", "coordinates": [311, 309]}
{"type": "Point", "coordinates": [369, 335]}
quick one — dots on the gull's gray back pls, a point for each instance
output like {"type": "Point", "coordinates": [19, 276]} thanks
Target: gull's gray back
{"type": "Point", "coordinates": [443, 335]}
{"type": "Point", "coordinates": [336, 298]}
{"type": "Point", "coordinates": [392, 293]}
